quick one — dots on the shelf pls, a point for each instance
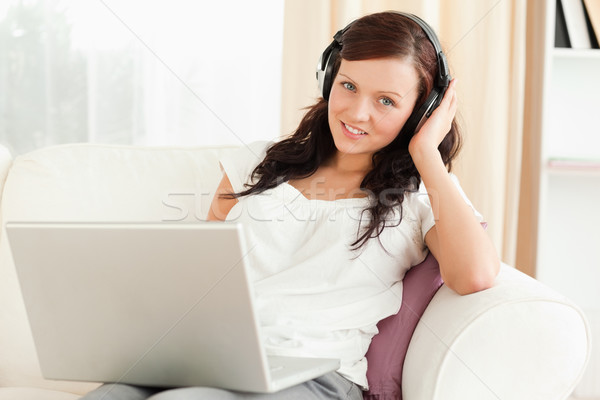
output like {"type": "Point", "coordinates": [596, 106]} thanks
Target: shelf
{"type": "Point", "coordinates": [568, 184]}
{"type": "Point", "coordinates": [573, 166]}
{"type": "Point", "coordinates": [563, 52]}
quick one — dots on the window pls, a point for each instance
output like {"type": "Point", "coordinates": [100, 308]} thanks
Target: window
{"type": "Point", "coordinates": [130, 72]}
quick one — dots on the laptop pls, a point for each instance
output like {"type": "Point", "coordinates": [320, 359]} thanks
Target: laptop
{"type": "Point", "coordinates": [157, 304]}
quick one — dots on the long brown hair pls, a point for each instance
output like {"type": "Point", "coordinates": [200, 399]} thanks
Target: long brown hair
{"type": "Point", "coordinates": [394, 174]}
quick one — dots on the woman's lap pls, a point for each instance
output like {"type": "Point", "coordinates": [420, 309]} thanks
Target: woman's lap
{"type": "Point", "coordinates": [328, 387]}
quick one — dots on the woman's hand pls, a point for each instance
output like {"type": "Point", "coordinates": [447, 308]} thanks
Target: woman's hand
{"type": "Point", "coordinates": [425, 142]}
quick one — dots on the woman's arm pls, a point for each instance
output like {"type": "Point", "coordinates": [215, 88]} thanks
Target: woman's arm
{"type": "Point", "coordinates": [219, 208]}
{"type": "Point", "coordinates": [467, 257]}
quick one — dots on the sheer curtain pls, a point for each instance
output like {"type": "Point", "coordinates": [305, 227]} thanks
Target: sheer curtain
{"type": "Point", "coordinates": [131, 72]}
{"type": "Point", "coordinates": [485, 45]}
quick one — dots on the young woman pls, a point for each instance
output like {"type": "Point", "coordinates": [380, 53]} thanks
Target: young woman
{"type": "Point", "coordinates": [340, 210]}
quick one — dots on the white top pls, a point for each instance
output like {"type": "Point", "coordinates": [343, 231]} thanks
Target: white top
{"type": "Point", "coordinates": [314, 295]}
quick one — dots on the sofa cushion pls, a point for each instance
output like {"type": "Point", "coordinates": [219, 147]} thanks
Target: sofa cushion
{"type": "Point", "coordinates": [388, 349]}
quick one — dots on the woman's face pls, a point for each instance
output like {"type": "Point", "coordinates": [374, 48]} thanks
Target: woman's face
{"type": "Point", "coordinates": [370, 101]}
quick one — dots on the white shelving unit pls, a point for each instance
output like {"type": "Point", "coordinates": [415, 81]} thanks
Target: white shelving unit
{"type": "Point", "coordinates": [568, 220]}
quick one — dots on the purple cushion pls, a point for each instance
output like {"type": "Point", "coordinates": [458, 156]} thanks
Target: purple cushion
{"type": "Point", "coordinates": [388, 348]}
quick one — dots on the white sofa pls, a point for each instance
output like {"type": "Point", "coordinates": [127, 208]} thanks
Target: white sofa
{"type": "Point", "coordinates": [517, 340]}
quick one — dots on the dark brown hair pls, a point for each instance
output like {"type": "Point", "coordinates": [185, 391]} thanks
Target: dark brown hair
{"type": "Point", "coordinates": [394, 174]}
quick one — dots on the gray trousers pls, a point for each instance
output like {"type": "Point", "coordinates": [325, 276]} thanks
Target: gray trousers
{"type": "Point", "coordinates": [328, 387]}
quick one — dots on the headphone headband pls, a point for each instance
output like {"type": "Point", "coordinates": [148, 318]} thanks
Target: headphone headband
{"type": "Point", "coordinates": [442, 79]}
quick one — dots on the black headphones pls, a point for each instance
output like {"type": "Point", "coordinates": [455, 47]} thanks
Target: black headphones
{"type": "Point", "coordinates": [331, 54]}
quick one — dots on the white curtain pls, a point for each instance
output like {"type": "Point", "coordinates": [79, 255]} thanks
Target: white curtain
{"type": "Point", "coordinates": [133, 72]}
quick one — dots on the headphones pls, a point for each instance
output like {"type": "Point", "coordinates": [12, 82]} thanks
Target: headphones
{"type": "Point", "coordinates": [332, 53]}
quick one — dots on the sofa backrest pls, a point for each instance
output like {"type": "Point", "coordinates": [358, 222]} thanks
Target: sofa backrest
{"type": "Point", "coordinates": [88, 182]}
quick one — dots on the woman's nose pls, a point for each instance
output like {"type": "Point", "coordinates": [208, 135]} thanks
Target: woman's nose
{"type": "Point", "coordinates": [361, 109]}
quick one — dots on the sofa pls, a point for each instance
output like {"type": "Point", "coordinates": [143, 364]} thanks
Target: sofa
{"type": "Point", "coordinates": [517, 340]}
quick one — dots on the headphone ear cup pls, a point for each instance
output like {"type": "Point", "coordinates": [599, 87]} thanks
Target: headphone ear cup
{"type": "Point", "coordinates": [328, 72]}
{"type": "Point", "coordinates": [417, 118]}
{"type": "Point", "coordinates": [321, 66]}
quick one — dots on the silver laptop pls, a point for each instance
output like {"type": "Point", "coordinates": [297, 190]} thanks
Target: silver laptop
{"type": "Point", "coordinates": [154, 304]}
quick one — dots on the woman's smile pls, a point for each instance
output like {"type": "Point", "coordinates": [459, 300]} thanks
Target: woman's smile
{"type": "Point", "coordinates": [353, 133]}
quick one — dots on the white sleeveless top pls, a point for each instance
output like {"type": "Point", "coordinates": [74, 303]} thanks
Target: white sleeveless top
{"type": "Point", "coordinates": [315, 296]}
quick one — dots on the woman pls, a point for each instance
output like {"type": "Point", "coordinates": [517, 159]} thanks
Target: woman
{"type": "Point", "coordinates": [339, 211]}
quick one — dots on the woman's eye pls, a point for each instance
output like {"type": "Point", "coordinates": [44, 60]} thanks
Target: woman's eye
{"type": "Point", "coordinates": [386, 102]}
{"type": "Point", "coordinates": [349, 86]}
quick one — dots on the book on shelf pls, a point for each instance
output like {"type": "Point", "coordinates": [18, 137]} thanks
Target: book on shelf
{"type": "Point", "coordinates": [574, 26]}
{"type": "Point", "coordinates": [561, 35]}
{"type": "Point", "coordinates": [592, 9]}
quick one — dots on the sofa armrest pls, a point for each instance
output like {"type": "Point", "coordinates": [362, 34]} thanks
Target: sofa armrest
{"type": "Point", "coordinates": [516, 340]}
